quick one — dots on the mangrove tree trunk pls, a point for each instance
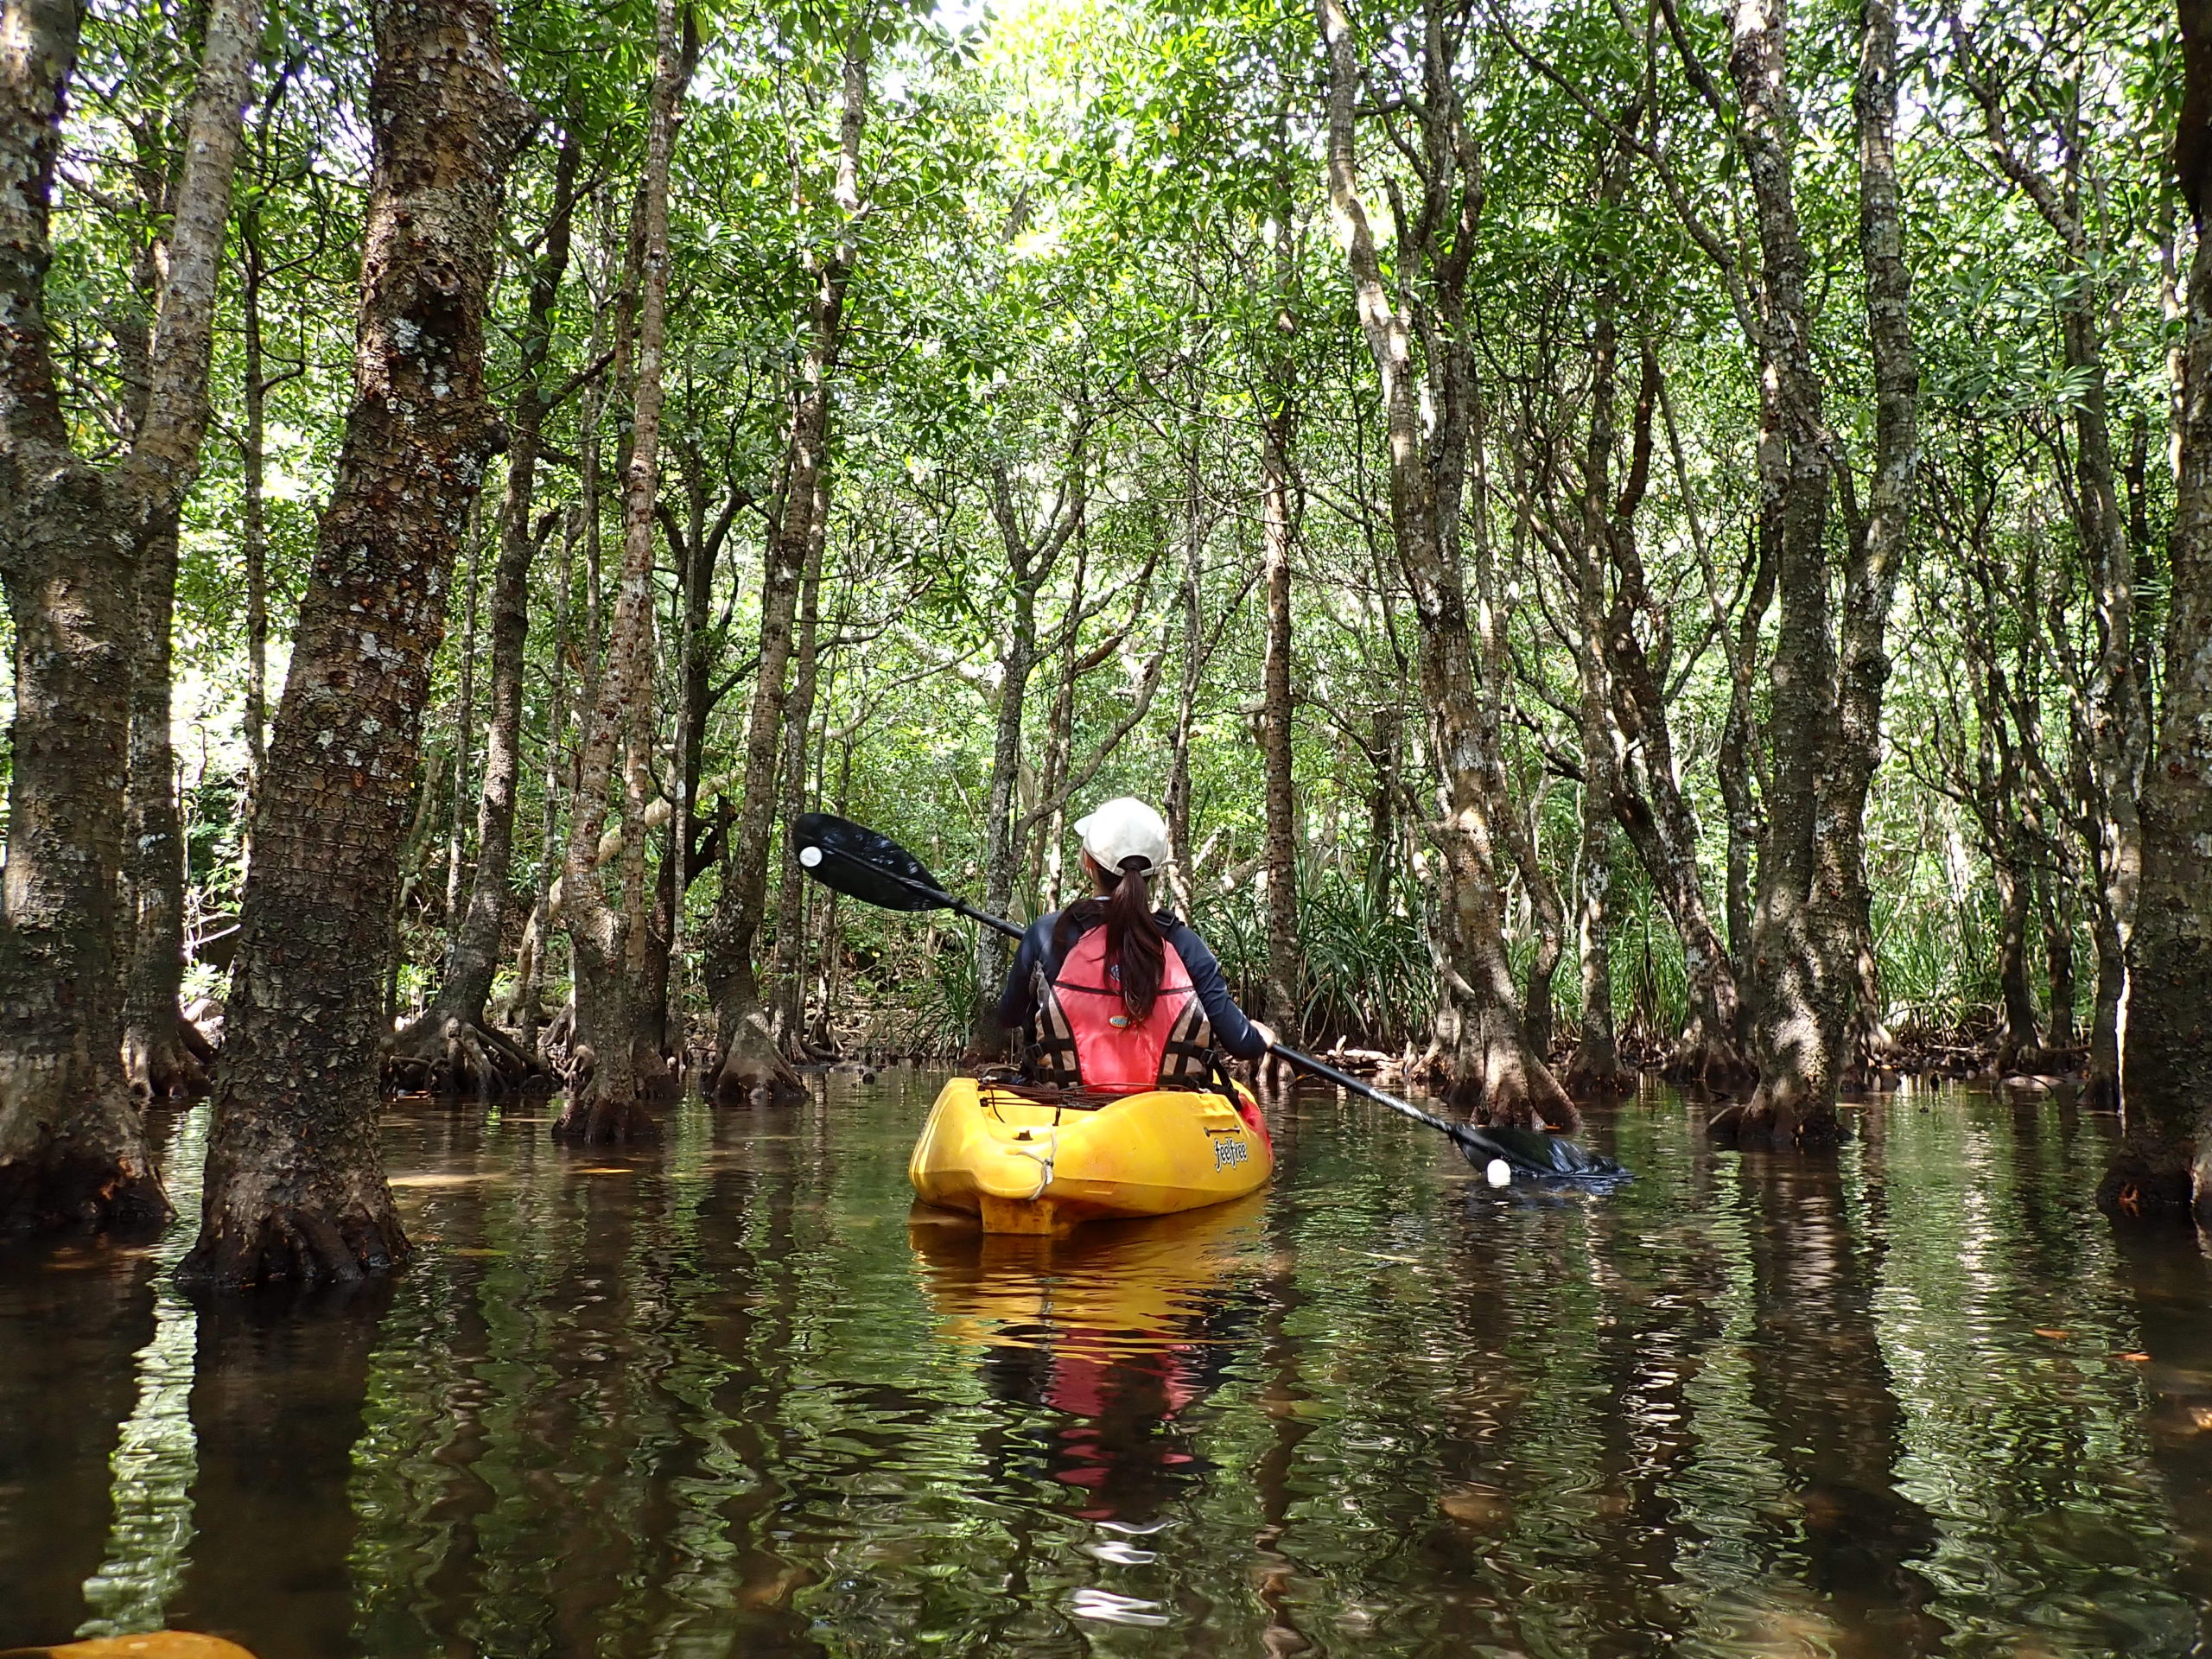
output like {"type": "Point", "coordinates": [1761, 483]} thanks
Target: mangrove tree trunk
{"type": "Point", "coordinates": [295, 1184]}
{"type": "Point", "coordinates": [74, 540]}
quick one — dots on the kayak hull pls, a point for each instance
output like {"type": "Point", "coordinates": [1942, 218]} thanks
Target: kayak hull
{"type": "Point", "coordinates": [1021, 1166]}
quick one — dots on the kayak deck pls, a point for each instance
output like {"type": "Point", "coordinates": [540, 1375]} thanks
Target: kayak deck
{"type": "Point", "coordinates": [1025, 1162]}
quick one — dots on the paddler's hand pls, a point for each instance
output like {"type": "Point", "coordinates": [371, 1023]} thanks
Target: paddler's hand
{"type": "Point", "coordinates": [1267, 1070]}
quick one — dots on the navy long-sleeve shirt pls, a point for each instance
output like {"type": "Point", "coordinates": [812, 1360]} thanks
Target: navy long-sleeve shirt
{"type": "Point", "coordinates": [1232, 1031]}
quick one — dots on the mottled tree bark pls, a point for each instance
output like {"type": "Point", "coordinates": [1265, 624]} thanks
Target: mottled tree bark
{"type": "Point", "coordinates": [1046, 865]}
{"type": "Point", "coordinates": [1548, 920]}
{"type": "Point", "coordinates": [749, 1066]}
{"type": "Point", "coordinates": [2015, 893]}
{"type": "Point", "coordinates": [1735, 770]}
{"type": "Point", "coordinates": [159, 1056]}
{"type": "Point", "coordinates": [72, 541]}
{"type": "Point", "coordinates": [569, 641]}
{"type": "Point", "coordinates": [1811, 958]}
{"type": "Point", "coordinates": [1809, 961]}
{"type": "Point", "coordinates": [1596, 1070]}
{"type": "Point", "coordinates": [2059, 1029]}
{"type": "Point", "coordinates": [2164, 1161]}
{"type": "Point", "coordinates": [695, 548]}
{"type": "Point", "coordinates": [1843, 900]}
{"type": "Point", "coordinates": [607, 899]}
{"type": "Point", "coordinates": [1662, 827]}
{"type": "Point", "coordinates": [463, 758]}
{"type": "Point", "coordinates": [1032, 554]}
{"type": "Point", "coordinates": [662, 1015]}
{"type": "Point", "coordinates": [452, 1046]}
{"type": "Point", "coordinates": [1797, 1012]}
{"type": "Point", "coordinates": [1485, 1057]}
{"type": "Point", "coordinates": [2113, 728]}
{"type": "Point", "coordinates": [1648, 801]}
{"type": "Point", "coordinates": [296, 1182]}
{"type": "Point", "coordinates": [527, 1013]}
{"type": "Point", "coordinates": [789, 977]}
{"type": "Point", "coordinates": [1989, 779]}
{"type": "Point", "coordinates": [1278, 535]}
{"type": "Point", "coordinates": [1175, 802]}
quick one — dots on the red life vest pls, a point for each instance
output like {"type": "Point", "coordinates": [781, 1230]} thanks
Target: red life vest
{"type": "Point", "coordinates": [1113, 1052]}
{"type": "Point", "coordinates": [1085, 1036]}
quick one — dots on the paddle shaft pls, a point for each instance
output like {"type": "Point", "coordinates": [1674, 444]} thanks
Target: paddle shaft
{"type": "Point", "coordinates": [1380, 1097]}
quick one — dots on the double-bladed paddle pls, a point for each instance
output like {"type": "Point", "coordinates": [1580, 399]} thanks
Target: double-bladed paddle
{"type": "Point", "coordinates": [864, 864]}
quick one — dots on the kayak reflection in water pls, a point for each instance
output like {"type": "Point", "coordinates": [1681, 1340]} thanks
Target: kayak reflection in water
{"type": "Point", "coordinates": [1122, 1443]}
{"type": "Point", "coordinates": [1113, 996]}
{"type": "Point", "coordinates": [1121, 1330]}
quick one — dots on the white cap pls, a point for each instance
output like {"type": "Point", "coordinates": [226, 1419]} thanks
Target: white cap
{"type": "Point", "coordinates": [1124, 828]}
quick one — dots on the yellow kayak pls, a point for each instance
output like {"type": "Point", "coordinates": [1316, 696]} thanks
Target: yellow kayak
{"type": "Point", "coordinates": [1027, 1163]}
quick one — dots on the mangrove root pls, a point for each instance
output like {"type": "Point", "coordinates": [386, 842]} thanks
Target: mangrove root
{"type": "Point", "coordinates": [1597, 1079]}
{"type": "Point", "coordinates": [294, 1246]}
{"type": "Point", "coordinates": [591, 1119]}
{"type": "Point", "coordinates": [1513, 1096]}
{"type": "Point", "coordinates": [753, 1071]}
{"type": "Point", "coordinates": [1765, 1122]}
{"type": "Point", "coordinates": [444, 1054]}
{"type": "Point", "coordinates": [63, 1191]}
{"type": "Point", "coordinates": [172, 1064]}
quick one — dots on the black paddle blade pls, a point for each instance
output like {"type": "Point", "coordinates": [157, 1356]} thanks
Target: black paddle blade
{"type": "Point", "coordinates": [1534, 1155]}
{"type": "Point", "coordinates": [863, 865]}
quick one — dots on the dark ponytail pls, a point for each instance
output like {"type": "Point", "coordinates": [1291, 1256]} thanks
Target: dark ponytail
{"type": "Point", "coordinates": [1134, 941]}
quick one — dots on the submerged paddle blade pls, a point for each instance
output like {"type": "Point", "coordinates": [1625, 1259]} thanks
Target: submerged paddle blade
{"type": "Point", "coordinates": [863, 865]}
{"type": "Point", "coordinates": [1534, 1155]}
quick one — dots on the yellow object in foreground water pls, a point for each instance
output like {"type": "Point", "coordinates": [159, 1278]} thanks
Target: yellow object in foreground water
{"type": "Point", "coordinates": [153, 1644]}
{"type": "Point", "coordinates": [1027, 1165]}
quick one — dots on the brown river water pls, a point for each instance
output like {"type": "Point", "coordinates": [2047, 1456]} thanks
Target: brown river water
{"type": "Point", "coordinates": [725, 1398]}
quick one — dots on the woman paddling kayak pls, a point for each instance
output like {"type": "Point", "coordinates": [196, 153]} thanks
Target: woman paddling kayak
{"type": "Point", "coordinates": [1115, 996]}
